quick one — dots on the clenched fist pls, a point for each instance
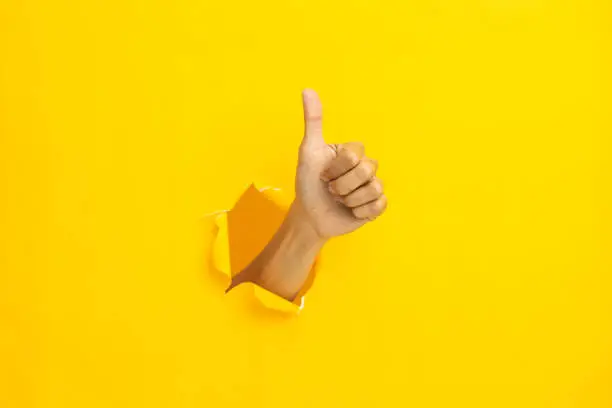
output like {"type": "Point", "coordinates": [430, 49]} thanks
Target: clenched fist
{"type": "Point", "coordinates": [336, 192]}
{"type": "Point", "coordinates": [336, 185]}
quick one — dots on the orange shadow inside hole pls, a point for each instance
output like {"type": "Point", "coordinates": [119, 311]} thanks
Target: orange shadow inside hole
{"type": "Point", "coordinates": [250, 225]}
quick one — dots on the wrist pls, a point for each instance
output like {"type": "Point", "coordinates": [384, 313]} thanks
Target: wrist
{"type": "Point", "coordinates": [299, 223]}
{"type": "Point", "coordinates": [290, 255]}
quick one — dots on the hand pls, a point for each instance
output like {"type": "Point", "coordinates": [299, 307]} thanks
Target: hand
{"type": "Point", "coordinates": [336, 185]}
{"type": "Point", "coordinates": [336, 192]}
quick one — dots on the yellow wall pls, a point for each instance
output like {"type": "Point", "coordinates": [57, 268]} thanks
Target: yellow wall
{"type": "Point", "coordinates": [487, 284]}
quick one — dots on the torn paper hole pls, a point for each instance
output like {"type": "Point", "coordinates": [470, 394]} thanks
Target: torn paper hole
{"type": "Point", "coordinates": [244, 231]}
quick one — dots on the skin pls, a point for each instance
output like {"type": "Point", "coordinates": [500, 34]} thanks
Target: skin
{"type": "Point", "coordinates": [337, 192]}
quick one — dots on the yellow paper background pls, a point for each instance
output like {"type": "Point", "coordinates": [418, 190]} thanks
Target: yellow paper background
{"type": "Point", "coordinates": [487, 284]}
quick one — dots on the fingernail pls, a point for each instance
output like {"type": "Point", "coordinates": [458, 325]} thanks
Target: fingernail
{"type": "Point", "coordinates": [330, 187]}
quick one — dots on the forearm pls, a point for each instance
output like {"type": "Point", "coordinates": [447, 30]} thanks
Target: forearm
{"type": "Point", "coordinates": [285, 263]}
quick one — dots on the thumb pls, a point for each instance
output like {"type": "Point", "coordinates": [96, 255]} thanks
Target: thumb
{"type": "Point", "coordinates": [313, 118]}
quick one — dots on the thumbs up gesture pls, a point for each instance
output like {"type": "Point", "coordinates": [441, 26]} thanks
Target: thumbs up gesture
{"type": "Point", "coordinates": [337, 191]}
{"type": "Point", "coordinates": [336, 184]}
